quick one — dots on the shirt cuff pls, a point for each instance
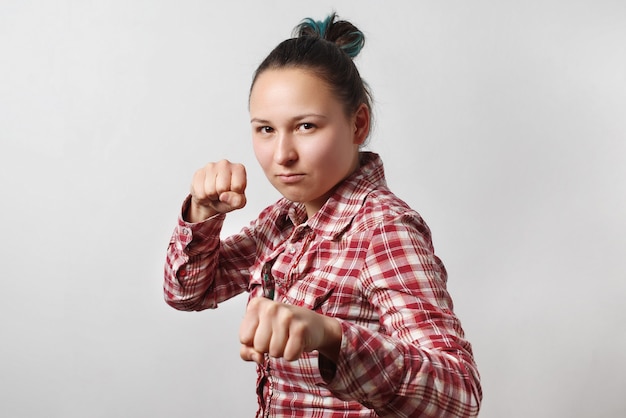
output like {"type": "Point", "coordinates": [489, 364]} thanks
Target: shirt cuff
{"type": "Point", "coordinates": [193, 238]}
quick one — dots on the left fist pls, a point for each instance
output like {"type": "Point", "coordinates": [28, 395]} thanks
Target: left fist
{"type": "Point", "coordinates": [286, 331]}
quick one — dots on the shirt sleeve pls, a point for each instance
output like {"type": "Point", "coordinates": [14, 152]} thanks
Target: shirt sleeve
{"type": "Point", "coordinates": [200, 269]}
{"type": "Point", "coordinates": [418, 363]}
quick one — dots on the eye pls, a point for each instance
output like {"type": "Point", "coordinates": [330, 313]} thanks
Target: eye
{"type": "Point", "coordinates": [306, 126]}
{"type": "Point", "coordinates": [265, 129]}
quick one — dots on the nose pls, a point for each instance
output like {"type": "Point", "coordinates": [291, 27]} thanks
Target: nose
{"type": "Point", "coordinates": [285, 151]}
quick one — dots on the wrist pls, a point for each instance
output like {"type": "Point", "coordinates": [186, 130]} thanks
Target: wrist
{"type": "Point", "coordinates": [195, 213]}
{"type": "Point", "coordinates": [332, 339]}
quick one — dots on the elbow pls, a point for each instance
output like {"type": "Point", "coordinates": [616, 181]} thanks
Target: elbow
{"type": "Point", "coordinates": [182, 302]}
{"type": "Point", "coordinates": [477, 395]}
{"type": "Point", "coordinates": [474, 394]}
{"type": "Point", "coordinates": [460, 394]}
{"type": "Point", "coordinates": [175, 301]}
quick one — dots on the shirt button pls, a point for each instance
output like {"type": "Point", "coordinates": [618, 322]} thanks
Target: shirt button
{"type": "Point", "coordinates": [186, 231]}
{"type": "Point", "coordinates": [292, 250]}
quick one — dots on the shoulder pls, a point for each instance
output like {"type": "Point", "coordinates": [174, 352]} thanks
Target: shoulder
{"type": "Point", "coordinates": [382, 208]}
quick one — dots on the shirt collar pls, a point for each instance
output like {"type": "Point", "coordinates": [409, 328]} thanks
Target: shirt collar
{"type": "Point", "coordinates": [337, 213]}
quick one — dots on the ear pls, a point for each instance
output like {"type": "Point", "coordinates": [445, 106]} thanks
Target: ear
{"type": "Point", "coordinates": [361, 121]}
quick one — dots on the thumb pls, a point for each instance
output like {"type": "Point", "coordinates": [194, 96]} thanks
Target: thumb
{"type": "Point", "coordinates": [233, 199]}
{"type": "Point", "coordinates": [248, 353]}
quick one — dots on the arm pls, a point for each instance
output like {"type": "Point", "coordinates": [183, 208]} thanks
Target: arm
{"type": "Point", "coordinates": [201, 270]}
{"type": "Point", "coordinates": [419, 363]}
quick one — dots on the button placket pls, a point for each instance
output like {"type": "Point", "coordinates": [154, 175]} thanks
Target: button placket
{"type": "Point", "coordinates": [297, 254]}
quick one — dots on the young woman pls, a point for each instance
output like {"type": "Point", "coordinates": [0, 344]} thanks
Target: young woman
{"type": "Point", "coordinates": [348, 314]}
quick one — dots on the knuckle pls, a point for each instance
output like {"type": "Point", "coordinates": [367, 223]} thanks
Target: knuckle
{"type": "Point", "coordinates": [285, 315]}
{"type": "Point", "coordinates": [207, 169]}
{"type": "Point", "coordinates": [223, 163]}
{"type": "Point", "coordinates": [253, 304]}
{"type": "Point", "coordinates": [198, 177]}
{"type": "Point", "coordinates": [298, 330]}
{"type": "Point", "coordinates": [270, 310]}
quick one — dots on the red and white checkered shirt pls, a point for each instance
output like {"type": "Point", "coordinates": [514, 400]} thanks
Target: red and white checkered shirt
{"type": "Point", "coordinates": [366, 259]}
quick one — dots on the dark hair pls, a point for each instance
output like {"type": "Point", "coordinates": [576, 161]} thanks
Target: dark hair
{"type": "Point", "coordinates": [326, 48]}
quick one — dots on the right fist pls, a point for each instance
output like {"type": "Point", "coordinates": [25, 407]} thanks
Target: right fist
{"type": "Point", "coordinates": [217, 188]}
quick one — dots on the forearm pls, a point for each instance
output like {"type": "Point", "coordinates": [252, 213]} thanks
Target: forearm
{"type": "Point", "coordinates": [401, 379]}
{"type": "Point", "coordinates": [190, 267]}
{"type": "Point", "coordinates": [201, 270]}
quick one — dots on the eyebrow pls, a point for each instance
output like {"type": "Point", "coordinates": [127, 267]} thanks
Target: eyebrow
{"type": "Point", "coordinates": [294, 119]}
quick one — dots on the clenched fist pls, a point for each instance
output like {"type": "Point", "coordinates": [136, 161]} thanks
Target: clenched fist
{"type": "Point", "coordinates": [217, 188]}
{"type": "Point", "coordinates": [286, 331]}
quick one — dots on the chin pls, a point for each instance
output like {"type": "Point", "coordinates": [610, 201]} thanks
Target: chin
{"type": "Point", "coordinates": [292, 196]}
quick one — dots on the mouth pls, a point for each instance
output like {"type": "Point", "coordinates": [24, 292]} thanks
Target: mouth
{"type": "Point", "coordinates": [290, 178]}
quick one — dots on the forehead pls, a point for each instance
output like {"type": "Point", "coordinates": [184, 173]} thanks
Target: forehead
{"type": "Point", "coordinates": [289, 88]}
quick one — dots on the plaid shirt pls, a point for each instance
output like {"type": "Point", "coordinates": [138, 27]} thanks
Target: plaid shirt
{"type": "Point", "coordinates": [366, 259]}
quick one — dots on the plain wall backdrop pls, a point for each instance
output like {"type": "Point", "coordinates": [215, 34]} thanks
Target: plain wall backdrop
{"type": "Point", "coordinates": [502, 122]}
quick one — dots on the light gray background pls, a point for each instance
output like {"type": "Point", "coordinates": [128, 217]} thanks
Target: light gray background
{"type": "Point", "coordinates": [502, 122]}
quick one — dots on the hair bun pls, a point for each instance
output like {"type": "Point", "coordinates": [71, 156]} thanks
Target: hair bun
{"type": "Point", "coordinates": [341, 32]}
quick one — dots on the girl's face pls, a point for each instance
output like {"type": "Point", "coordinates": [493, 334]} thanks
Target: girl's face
{"type": "Point", "coordinates": [301, 135]}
